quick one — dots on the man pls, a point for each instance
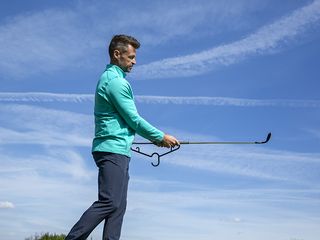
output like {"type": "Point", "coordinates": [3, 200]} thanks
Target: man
{"type": "Point", "coordinates": [116, 122]}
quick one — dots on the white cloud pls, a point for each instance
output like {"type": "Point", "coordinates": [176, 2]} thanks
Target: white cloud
{"type": "Point", "coordinates": [71, 163]}
{"type": "Point", "coordinates": [65, 38]}
{"type": "Point", "coordinates": [53, 162]}
{"type": "Point", "coordinates": [48, 43]}
{"type": "Point", "coordinates": [259, 162]}
{"type": "Point", "coordinates": [265, 40]}
{"type": "Point", "coordinates": [57, 181]}
{"type": "Point", "coordinates": [251, 162]}
{"type": "Point", "coordinates": [47, 127]}
{"type": "Point", "coordinates": [75, 37]}
{"type": "Point", "coordinates": [6, 204]}
{"type": "Point", "coordinates": [313, 132]}
{"type": "Point", "coordinates": [59, 184]}
{"type": "Point", "coordinates": [37, 125]}
{"type": "Point", "coordinates": [222, 213]}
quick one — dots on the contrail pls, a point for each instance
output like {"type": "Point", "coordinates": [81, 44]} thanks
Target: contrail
{"type": "Point", "coordinates": [44, 97]}
{"type": "Point", "coordinates": [263, 41]}
{"type": "Point", "coordinates": [227, 101]}
{"type": "Point", "coordinates": [208, 101]}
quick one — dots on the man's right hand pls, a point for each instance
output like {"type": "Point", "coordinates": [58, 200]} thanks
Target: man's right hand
{"type": "Point", "coordinates": [168, 141]}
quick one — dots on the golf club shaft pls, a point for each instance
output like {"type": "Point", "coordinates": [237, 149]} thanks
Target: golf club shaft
{"type": "Point", "coordinates": [239, 142]}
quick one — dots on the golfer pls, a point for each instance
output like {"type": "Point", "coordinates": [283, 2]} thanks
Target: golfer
{"type": "Point", "coordinates": [116, 122]}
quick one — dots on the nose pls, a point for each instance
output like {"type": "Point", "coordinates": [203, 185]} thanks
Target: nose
{"type": "Point", "coordinates": [134, 61]}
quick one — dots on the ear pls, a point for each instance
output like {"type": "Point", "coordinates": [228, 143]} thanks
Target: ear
{"type": "Point", "coordinates": [116, 54]}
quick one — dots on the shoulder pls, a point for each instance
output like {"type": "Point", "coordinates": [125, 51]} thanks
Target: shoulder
{"type": "Point", "coordinates": [110, 78]}
{"type": "Point", "coordinates": [116, 86]}
{"type": "Point", "coordinates": [117, 83]}
{"type": "Point", "coordinates": [111, 81]}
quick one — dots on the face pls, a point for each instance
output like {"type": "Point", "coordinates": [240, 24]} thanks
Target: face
{"type": "Point", "coordinates": [126, 60]}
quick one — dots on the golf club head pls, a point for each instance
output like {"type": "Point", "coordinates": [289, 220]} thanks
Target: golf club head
{"type": "Point", "coordinates": [267, 139]}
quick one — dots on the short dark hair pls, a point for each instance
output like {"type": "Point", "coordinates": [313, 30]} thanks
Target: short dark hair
{"type": "Point", "coordinates": [121, 42]}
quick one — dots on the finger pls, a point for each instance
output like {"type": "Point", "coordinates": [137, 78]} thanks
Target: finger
{"type": "Point", "coordinates": [176, 142]}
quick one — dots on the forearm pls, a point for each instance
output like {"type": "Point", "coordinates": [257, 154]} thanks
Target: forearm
{"type": "Point", "coordinates": [146, 130]}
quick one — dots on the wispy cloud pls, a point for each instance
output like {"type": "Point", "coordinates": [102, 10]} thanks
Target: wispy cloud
{"type": "Point", "coordinates": [247, 161]}
{"type": "Point", "coordinates": [255, 162]}
{"type": "Point", "coordinates": [250, 162]}
{"type": "Point", "coordinates": [53, 162]}
{"type": "Point", "coordinates": [56, 128]}
{"type": "Point", "coordinates": [47, 42]}
{"type": "Point", "coordinates": [35, 182]}
{"type": "Point", "coordinates": [216, 212]}
{"type": "Point", "coordinates": [53, 39]}
{"type": "Point", "coordinates": [58, 182]}
{"type": "Point", "coordinates": [265, 40]}
{"type": "Point", "coordinates": [73, 37]}
{"type": "Point", "coordinates": [37, 125]}
{"type": "Point", "coordinates": [313, 132]}
{"type": "Point", "coordinates": [6, 204]}
{"type": "Point", "coordinates": [35, 97]}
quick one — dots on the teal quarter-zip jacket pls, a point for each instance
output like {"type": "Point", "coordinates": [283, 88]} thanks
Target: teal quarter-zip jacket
{"type": "Point", "coordinates": [116, 116]}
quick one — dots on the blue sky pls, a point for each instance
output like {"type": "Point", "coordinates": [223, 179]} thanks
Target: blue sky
{"type": "Point", "coordinates": [207, 70]}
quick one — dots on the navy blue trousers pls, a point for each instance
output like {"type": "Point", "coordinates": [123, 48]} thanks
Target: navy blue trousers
{"type": "Point", "coordinates": [113, 181]}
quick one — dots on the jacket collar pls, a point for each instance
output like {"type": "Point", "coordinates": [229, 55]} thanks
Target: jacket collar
{"type": "Point", "coordinates": [117, 69]}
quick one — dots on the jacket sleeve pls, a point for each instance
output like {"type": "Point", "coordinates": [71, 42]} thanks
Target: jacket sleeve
{"type": "Point", "coordinates": [121, 96]}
